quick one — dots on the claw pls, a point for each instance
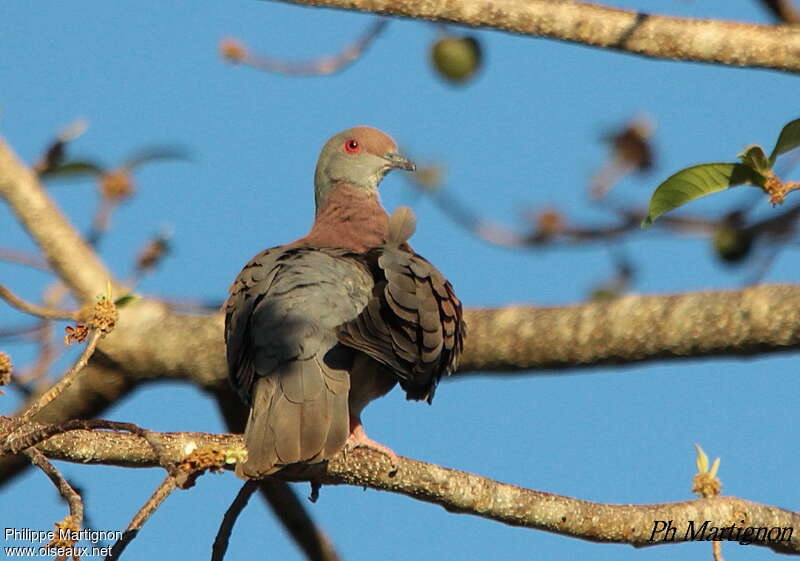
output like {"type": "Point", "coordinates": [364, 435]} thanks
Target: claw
{"type": "Point", "coordinates": [358, 439]}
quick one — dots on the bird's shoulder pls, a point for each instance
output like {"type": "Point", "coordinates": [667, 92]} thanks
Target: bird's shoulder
{"type": "Point", "coordinates": [293, 273]}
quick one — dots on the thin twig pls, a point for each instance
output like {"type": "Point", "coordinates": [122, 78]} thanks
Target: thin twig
{"type": "Point", "coordinates": [101, 223]}
{"type": "Point", "coordinates": [229, 520]}
{"type": "Point", "coordinates": [22, 258]}
{"type": "Point", "coordinates": [25, 333]}
{"type": "Point", "coordinates": [783, 10]}
{"type": "Point", "coordinates": [73, 499]}
{"type": "Point", "coordinates": [65, 381]}
{"type": "Point", "coordinates": [23, 306]}
{"type": "Point", "coordinates": [297, 521]}
{"type": "Point", "coordinates": [317, 67]}
{"type": "Point", "coordinates": [34, 376]}
{"type": "Point", "coordinates": [62, 246]}
{"type": "Point", "coordinates": [155, 500]}
{"type": "Point", "coordinates": [716, 551]}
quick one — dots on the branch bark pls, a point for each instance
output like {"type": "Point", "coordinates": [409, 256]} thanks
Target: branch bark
{"type": "Point", "coordinates": [756, 320]}
{"type": "Point", "coordinates": [672, 38]}
{"type": "Point", "coordinates": [455, 491]}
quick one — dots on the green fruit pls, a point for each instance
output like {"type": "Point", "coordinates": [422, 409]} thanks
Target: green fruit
{"type": "Point", "coordinates": [456, 58]}
{"type": "Point", "coordinates": [732, 244]}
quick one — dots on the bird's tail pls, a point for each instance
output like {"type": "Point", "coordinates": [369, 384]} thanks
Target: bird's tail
{"type": "Point", "coordinates": [299, 413]}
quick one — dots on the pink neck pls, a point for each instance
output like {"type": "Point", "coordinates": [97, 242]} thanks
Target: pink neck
{"type": "Point", "coordinates": [349, 218]}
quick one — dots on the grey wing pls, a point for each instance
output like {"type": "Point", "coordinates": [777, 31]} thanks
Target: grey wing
{"type": "Point", "coordinates": [255, 279]}
{"type": "Point", "coordinates": [283, 355]}
{"type": "Point", "coordinates": [413, 324]}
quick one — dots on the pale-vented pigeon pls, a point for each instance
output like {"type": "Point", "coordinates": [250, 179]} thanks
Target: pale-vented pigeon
{"type": "Point", "coordinates": [318, 328]}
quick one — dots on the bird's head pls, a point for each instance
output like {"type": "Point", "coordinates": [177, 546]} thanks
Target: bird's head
{"type": "Point", "coordinates": [359, 157]}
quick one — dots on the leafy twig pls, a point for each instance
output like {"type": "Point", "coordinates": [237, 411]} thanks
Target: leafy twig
{"type": "Point", "coordinates": [22, 258]}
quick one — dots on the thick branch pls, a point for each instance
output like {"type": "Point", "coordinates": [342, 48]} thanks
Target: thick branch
{"type": "Point", "coordinates": [673, 38]}
{"type": "Point", "coordinates": [151, 343]}
{"type": "Point", "coordinates": [635, 329]}
{"type": "Point", "coordinates": [64, 248]}
{"type": "Point", "coordinates": [456, 491]}
{"type": "Point", "coordinates": [632, 329]}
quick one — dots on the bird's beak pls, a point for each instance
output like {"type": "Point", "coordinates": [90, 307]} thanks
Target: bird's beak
{"type": "Point", "coordinates": [397, 161]}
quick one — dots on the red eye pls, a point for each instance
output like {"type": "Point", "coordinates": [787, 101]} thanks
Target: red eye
{"type": "Point", "coordinates": [352, 145]}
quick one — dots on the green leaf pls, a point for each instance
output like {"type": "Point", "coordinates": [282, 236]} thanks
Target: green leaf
{"type": "Point", "coordinates": [125, 300]}
{"type": "Point", "coordinates": [754, 157]}
{"type": "Point", "coordinates": [695, 182]}
{"type": "Point", "coordinates": [73, 169]}
{"type": "Point", "coordinates": [789, 139]}
{"type": "Point", "coordinates": [154, 154]}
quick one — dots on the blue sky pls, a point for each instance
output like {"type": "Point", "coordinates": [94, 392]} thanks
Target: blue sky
{"type": "Point", "coordinates": [524, 134]}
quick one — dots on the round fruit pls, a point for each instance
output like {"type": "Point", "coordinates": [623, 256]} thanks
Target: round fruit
{"type": "Point", "coordinates": [732, 244]}
{"type": "Point", "coordinates": [456, 59]}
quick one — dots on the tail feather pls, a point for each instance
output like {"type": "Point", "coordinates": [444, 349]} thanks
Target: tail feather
{"type": "Point", "coordinates": [301, 418]}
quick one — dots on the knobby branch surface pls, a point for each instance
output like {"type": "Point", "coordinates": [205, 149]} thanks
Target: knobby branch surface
{"type": "Point", "coordinates": [454, 490]}
{"type": "Point", "coordinates": [672, 38]}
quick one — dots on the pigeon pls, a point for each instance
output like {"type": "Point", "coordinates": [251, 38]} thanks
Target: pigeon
{"type": "Point", "coordinates": [318, 328]}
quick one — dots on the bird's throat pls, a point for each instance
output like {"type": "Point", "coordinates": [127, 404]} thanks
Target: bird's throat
{"type": "Point", "coordinates": [349, 217]}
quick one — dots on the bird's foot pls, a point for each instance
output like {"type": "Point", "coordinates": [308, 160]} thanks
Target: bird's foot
{"type": "Point", "coordinates": [358, 439]}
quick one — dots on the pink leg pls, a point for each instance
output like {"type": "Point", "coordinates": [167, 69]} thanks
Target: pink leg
{"type": "Point", "coordinates": [358, 439]}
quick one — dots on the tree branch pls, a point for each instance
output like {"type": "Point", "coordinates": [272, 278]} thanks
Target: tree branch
{"type": "Point", "coordinates": [672, 38]}
{"type": "Point", "coordinates": [162, 492]}
{"type": "Point", "coordinates": [72, 498]}
{"type": "Point", "coordinates": [32, 309]}
{"type": "Point", "coordinates": [220, 546]}
{"type": "Point", "coordinates": [152, 343]}
{"type": "Point", "coordinates": [298, 523]}
{"type": "Point", "coordinates": [63, 247]}
{"type": "Point", "coordinates": [66, 381]}
{"type": "Point", "coordinates": [456, 491]}
{"type": "Point", "coordinates": [631, 329]}
{"type": "Point", "coordinates": [782, 10]}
